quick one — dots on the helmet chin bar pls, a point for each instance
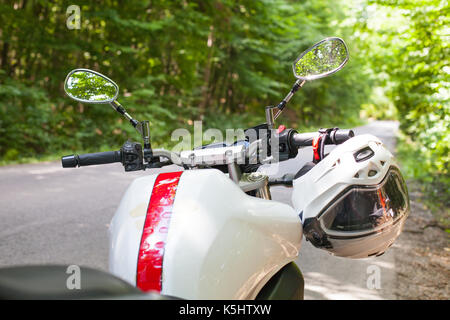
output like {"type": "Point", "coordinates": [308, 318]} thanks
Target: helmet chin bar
{"type": "Point", "coordinates": [143, 127]}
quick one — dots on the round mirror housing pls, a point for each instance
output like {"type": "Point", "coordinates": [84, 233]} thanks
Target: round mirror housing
{"type": "Point", "coordinates": [89, 86]}
{"type": "Point", "coordinates": [321, 60]}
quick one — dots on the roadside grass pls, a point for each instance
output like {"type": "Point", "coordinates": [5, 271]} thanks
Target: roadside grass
{"type": "Point", "coordinates": [13, 158]}
{"type": "Point", "coordinates": [432, 188]}
{"type": "Point", "coordinates": [56, 156]}
{"type": "Point", "coordinates": [45, 157]}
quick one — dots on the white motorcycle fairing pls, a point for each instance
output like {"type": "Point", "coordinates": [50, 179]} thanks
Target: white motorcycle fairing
{"type": "Point", "coordinates": [220, 243]}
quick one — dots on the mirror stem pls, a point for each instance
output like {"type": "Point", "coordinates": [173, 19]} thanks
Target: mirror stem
{"type": "Point", "coordinates": [297, 85]}
{"type": "Point", "coordinates": [269, 116]}
{"type": "Point", "coordinates": [118, 107]}
{"type": "Point", "coordinates": [143, 127]}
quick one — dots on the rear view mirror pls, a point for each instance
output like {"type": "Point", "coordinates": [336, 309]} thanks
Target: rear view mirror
{"type": "Point", "coordinates": [88, 86]}
{"type": "Point", "coordinates": [322, 59]}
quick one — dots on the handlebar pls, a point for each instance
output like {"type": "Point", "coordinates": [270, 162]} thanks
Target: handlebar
{"type": "Point", "coordinates": [336, 137]}
{"type": "Point", "coordinates": [88, 159]}
{"type": "Point", "coordinates": [130, 155]}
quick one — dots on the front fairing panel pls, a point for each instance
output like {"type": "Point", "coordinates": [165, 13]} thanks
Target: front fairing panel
{"type": "Point", "coordinates": [221, 243]}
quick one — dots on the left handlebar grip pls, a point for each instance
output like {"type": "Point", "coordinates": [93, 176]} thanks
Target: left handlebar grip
{"type": "Point", "coordinates": [69, 161]}
{"type": "Point", "coordinates": [89, 159]}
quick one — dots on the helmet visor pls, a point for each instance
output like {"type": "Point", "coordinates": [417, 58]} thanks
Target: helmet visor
{"type": "Point", "coordinates": [365, 208]}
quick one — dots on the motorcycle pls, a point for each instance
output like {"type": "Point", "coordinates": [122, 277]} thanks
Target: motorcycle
{"type": "Point", "coordinates": [211, 230]}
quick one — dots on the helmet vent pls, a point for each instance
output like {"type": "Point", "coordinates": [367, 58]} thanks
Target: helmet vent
{"type": "Point", "coordinates": [382, 163]}
{"type": "Point", "coordinates": [356, 175]}
{"type": "Point", "coordinates": [336, 163]}
{"type": "Point", "coordinates": [363, 154]}
{"type": "Point", "coordinates": [372, 173]}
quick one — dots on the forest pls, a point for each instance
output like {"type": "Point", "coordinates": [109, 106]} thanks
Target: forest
{"type": "Point", "coordinates": [222, 62]}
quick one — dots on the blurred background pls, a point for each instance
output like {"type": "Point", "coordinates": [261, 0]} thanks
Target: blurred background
{"type": "Point", "coordinates": [223, 61]}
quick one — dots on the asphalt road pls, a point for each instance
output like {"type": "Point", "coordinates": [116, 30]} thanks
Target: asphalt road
{"type": "Point", "coordinates": [54, 215]}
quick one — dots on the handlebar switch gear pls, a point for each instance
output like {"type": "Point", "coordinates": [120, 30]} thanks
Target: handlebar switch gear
{"type": "Point", "coordinates": [286, 149]}
{"type": "Point", "coordinates": [132, 156]}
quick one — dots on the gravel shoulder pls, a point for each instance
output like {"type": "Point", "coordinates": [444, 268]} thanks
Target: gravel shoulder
{"type": "Point", "coordinates": [422, 253]}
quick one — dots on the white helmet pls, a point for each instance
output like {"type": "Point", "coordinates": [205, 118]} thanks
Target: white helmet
{"type": "Point", "coordinates": [354, 202]}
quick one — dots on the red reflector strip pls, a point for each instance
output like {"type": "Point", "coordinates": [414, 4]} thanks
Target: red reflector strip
{"type": "Point", "coordinates": [154, 235]}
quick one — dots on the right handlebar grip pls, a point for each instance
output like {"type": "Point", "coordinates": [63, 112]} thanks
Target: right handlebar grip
{"type": "Point", "coordinates": [89, 159]}
{"type": "Point", "coordinates": [342, 135]}
{"type": "Point", "coordinates": [304, 139]}
{"type": "Point", "coordinates": [336, 137]}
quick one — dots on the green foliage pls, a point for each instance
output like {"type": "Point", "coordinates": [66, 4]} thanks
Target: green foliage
{"type": "Point", "coordinates": [409, 50]}
{"type": "Point", "coordinates": [89, 86]}
{"type": "Point", "coordinates": [379, 106]}
{"type": "Point", "coordinates": [174, 61]}
{"type": "Point", "coordinates": [221, 62]}
{"type": "Point", "coordinates": [433, 187]}
{"type": "Point", "coordinates": [326, 57]}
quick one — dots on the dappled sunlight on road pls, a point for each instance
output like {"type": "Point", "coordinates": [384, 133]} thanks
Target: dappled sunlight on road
{"type": "Point", "coordinates": [321, 286]}
{"type": "Point", "coordinates": [331, 277]}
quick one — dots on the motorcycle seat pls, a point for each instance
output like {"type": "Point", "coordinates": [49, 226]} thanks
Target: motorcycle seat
{"type": "Point", "coordinates": [56, 282]}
